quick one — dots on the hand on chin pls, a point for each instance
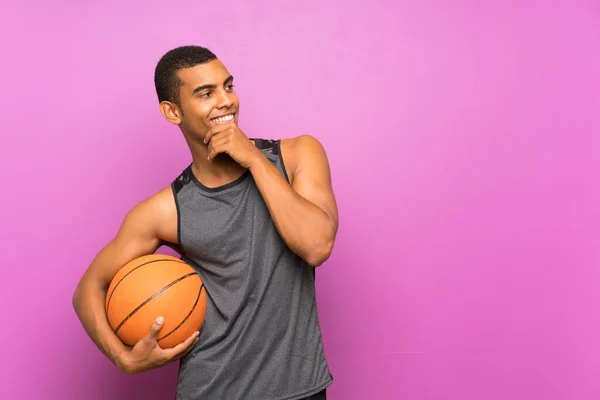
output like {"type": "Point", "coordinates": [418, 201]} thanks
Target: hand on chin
{"type": "Point", "coordinates": [228, 138]}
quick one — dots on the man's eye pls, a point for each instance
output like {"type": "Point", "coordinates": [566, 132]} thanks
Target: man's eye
{"type": "Point", "coordinates": [205, 95]}
{"type": "Point", "coordinates": [229, 87]}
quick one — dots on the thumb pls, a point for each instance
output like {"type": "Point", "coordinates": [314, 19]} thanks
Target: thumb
{"type": "Point", "coordinates": [155, 328]}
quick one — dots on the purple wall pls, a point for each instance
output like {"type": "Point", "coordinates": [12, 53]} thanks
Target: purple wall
{"type": "Point", "coordinates": [463, 139]}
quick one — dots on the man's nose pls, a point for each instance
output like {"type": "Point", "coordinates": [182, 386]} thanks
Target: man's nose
{"type": "Point", "coordinates": [224, 99]}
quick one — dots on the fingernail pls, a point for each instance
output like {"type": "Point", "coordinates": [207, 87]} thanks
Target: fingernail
{"type": "Point", "coordinates": [160, 320]}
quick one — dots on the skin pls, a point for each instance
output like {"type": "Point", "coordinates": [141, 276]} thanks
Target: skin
{"type": "Point", "coordinates": [304, 211]}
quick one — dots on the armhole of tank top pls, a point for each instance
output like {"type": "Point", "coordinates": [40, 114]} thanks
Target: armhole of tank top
{"type": "Point", "coordinates": [312, 270]}
{"type": "Point", "coordinates": [178, 218]}
{"type": "Point", "coordinates": [285, 174]}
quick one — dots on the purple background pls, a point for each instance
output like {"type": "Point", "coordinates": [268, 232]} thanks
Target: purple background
{"type": "Point", "coordinates": [463, 139]}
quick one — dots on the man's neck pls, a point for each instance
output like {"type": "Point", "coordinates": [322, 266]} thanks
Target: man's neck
{"type": "Point", "coordinates": [216, 172]}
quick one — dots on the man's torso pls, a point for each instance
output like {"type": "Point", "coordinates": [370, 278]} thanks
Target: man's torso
{"type": "Point", "coordinates": [261, 337]}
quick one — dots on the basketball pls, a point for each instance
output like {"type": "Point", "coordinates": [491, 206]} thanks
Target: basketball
{"type": "Point", "coordinates": [151, 286]}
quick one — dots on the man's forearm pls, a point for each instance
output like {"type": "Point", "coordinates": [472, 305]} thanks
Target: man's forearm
{"type": "Point", "coordinates": [307, 229]}
{"type": "Point", "coordinates": [88, 302]}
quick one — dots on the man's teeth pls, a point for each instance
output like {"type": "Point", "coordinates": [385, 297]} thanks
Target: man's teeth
{"type": "Point", "coordinates": [226, 118]}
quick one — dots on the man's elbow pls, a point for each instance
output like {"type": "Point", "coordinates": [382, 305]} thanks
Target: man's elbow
{"type": "Point", "coordinates": [86, 286]}
{"type": "Point", "coordinates": [319, 254]}
{"type": "Point", "coordinates": [77, 296]}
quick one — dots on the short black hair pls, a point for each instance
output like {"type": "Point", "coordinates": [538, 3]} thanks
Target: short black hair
{"type": "Point", "coordinates": [166, 81]}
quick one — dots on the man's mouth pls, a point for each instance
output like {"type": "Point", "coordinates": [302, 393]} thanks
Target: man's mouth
{"type": "Point", "coordinates": [225, 119]}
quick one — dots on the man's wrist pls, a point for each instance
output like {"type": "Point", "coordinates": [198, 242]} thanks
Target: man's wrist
{"type": "Point", "coordinates": [258, 161]}
{"type": "Point", "coordinates": [121, 361]}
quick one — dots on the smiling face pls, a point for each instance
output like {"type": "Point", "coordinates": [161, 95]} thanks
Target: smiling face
{"type": "Point", "coordinates": [206, 99]}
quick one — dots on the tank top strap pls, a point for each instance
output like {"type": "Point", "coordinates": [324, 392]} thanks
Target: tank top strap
{"type": "Point", "coordinates": [267, 145]}
{"type": "Point", "coordinates": [183, 179]}
{"type": "Point", "coordinates": [271, 148]}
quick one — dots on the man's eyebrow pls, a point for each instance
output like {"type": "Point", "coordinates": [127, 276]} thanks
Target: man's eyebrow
{"type": "Point", "coordinates": [212, 86]}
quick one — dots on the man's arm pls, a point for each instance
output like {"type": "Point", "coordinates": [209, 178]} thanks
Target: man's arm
{"type": "Point", "coordinates": [304, 213]}
{"type": "Point", "coordinates": [141, 233]}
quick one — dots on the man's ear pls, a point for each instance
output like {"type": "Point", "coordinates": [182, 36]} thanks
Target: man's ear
{"type": "Point", "coordinates": [171, 112]}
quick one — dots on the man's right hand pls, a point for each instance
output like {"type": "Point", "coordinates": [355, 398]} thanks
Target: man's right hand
{"type": "Point", "coordinates": [147, 354]}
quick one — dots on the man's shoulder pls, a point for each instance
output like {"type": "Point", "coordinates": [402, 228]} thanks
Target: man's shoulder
{"type": "Point", "coordinates": [153, 217]}
{"type": "Point", "coordinates": [301, 143]}
{"type": "Point", "coordinates": [157, 202]}
{"type": "Point", "coordinates": [295, 148]}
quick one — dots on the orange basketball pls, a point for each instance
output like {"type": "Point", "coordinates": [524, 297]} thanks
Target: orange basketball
{"type": "Point", "coordinates": [152, 286]}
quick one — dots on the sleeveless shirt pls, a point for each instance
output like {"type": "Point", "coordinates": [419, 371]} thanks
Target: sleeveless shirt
{"type": "Point", "coordinates": [261, 337]}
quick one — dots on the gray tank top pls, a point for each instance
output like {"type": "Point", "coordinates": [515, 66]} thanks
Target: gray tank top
{"type": "Point", "coordinates": [261, 337]}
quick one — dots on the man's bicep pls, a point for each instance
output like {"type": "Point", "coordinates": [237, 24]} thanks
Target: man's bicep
{"type": "Point", "coordinates": [312, 176]}
{"type": "Point", "coordinates": [139, 231]}
{"type": "Point", "coordinates": [136, 236]}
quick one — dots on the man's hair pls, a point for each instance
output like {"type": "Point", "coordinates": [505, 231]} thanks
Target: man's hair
{"type": "Point", "coordinates": [166, 81]}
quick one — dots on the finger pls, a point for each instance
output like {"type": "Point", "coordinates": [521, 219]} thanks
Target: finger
{"type": "Point", "coordinates": [208, 136]}
{"type": "Point", "coordinates": [217, 145]}
{"type": "Point", "coordinates": [215, 130]}
{"type": "Point", "coordinates": [181, 347]}
{"type": "Point", "coordinates": [189, 349]}
{"type": "Point", "coordinates": [155, 328]}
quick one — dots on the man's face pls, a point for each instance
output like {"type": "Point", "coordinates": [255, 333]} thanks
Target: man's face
{"type": "Point", "coordinates": [207, 98]}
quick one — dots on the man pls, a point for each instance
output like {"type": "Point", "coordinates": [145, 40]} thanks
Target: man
{"type": "Point", "coordinates": [254, 217]}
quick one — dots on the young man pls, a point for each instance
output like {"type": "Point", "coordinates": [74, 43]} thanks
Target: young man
{"type": "Point", "coordinates": [254, 217]}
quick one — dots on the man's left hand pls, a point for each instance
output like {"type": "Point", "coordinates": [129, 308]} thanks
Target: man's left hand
{"type": "Point", "coordinates": [229, 139]}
